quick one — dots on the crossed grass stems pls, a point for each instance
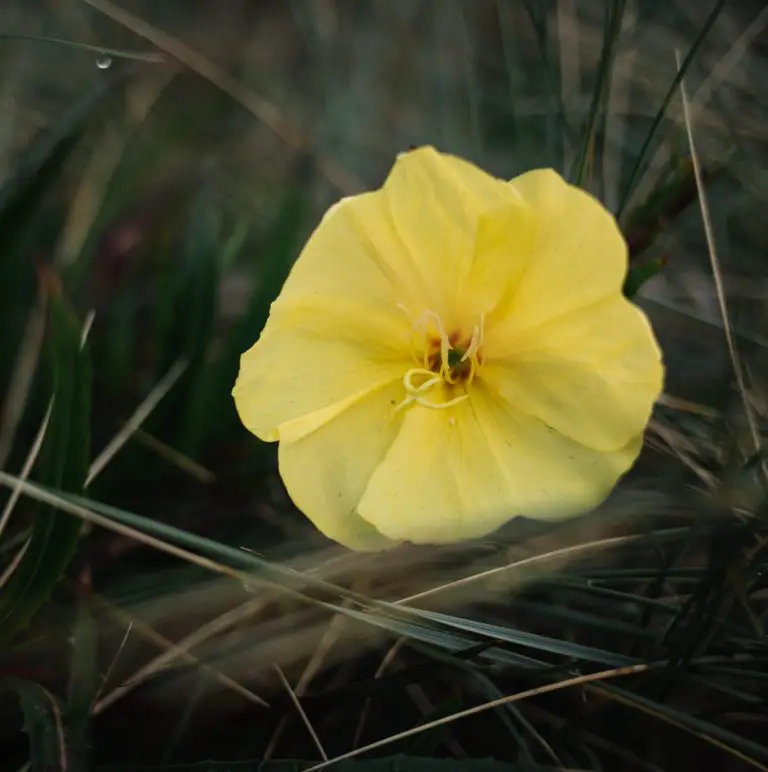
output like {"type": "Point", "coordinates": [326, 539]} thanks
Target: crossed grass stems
{"type": "Point", "coordinates": [660, 434]}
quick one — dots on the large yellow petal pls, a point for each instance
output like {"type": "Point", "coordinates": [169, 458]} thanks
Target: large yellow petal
{"type": "Point", "coordinates": [593, 374]}
{"type": "Point", "coordinates": [316, 356]}
{"type": "Point", "coordinates": [460, 226]}
{"type": "Point", "coordinates": [580, 256]}
{"type": "Point", "coordinates": [355, 252]}
{"type": "Point", "coordinates": [444, 481]}
{"type": "Point", "coordinates": [325, 472]}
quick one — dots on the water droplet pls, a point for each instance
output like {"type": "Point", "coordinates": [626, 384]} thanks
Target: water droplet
{"type": "Point", "coordinates": [104, 62]}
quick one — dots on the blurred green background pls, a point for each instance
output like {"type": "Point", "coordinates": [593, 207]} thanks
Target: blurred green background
{"type": "Point", "coordinates": [161, 164]}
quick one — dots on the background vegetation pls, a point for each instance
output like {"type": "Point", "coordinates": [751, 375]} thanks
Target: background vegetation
{"type": "Point", "coordinates": [161, 602]}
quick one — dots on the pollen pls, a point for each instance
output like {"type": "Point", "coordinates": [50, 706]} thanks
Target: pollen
{"type": "Point", "coordinates": [448, 362]}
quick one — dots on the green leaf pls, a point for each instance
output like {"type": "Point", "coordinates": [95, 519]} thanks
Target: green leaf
{"type": "Point", "coordinates": [640, 274]}
{"type": "Point", "coordinates": [529, 640]}
{"type": "Point", "coordinates": [118, 53]}
{"type": "Point", "coordinates": [63, 463]}
{"type": "Point", "coordinates": [84, 683]}
{"type": "Point", "coordinates": [42, 724]}
{"type": "Point", "coordinates": [585, 159]}
{"type": "Point", "coordinates": [196, 307]}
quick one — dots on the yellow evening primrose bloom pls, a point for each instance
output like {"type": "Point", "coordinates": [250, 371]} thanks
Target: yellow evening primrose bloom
{"type": "Point", "coordinates": [449, 352]}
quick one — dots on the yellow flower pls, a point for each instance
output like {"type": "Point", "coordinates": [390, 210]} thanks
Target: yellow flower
{"type": "Point", "coordinates": [449, 352]}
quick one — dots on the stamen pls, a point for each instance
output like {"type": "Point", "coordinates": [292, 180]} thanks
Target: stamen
{"type": "Point", "coordinates": [445, 344]}
{"type": "Point", "coordinates": [448, 373]}
{"type": "Point", "coordinates": [441, 405]}
{"type": "Point", "coordinates": [414, 393]}
{"type": "Point", "coordinates": [476, 341]}
{"type": "Point", "coordinates": [432, 379]}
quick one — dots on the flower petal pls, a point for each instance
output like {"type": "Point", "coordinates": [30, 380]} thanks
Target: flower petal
{"type": "Point", "coordinates": [315, 357]}
{"type": "Point", "coordinates": [580, 256]}
{"type": "Point", "coordinates": [443, 482]}
{"type": "Point", "coordinates": [438, 202]}
{"type": "Point", "coordinates": [326, 471]}
{"type": "Point", "coordinates": [354, 253]}
{"type": "Point", "coordinates": [592, 374]}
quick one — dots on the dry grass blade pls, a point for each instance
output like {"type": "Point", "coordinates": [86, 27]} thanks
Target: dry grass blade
{"type": "Point", "coordinates": [105, 678]}
{"type": "Point", "coordinates": [301, 712]}
{"type": "Point", "coordinates": [330, 636]}
{"type": "Point", "coordinates": [560, 554]}
{"type": "Point", "coordinates": [182, 650]}
{"type": "Point", "coordinates": [716, 271]}
{"type": "Point", "coordinates": [21, 380]}
{"type": "Point", "coordinates": [29, 462]}
{"type": "Point", "coordinates": [389, 658]}
{"type": "Point", "coordinates": [669, 719]}
{"type": "Point", "coordinates": [164, 385]}
{"type": "Point", "coordinates": [727, 64]}
{"type": "Point", "coordinates": [506, 700]}
{"type": "Point", "coordinates": [39, 494]}
{"type": "Point", "coordinates": [173, 456]}
{"type": "Point", "coordinates": [174, 651]}
{"type": "Point", "coordinates": [14, 564]}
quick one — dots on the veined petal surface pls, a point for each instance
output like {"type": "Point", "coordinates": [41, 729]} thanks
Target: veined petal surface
{"type": "Point", "coordinates": [592, 374]}
{"type": "Point", "coordinates": [444, 481]}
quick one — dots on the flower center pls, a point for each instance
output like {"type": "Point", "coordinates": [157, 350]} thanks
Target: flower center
{"type": "Point", "coordinates": [449, 362]}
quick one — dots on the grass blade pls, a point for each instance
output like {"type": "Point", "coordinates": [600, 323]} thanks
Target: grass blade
{"type": "Point", "coordinates": [63, 463]}
{"type": "Point", "coordinates": [637, 169]}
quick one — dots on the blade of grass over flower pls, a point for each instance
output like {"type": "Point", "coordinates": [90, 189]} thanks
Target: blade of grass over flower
{"type": "Point", "coordinates": [140, 415]}
{"type": "Point", "coordinates": [507, 699]}
{"type": "Point", "coordinates": [638, 167]}
{"type": "Point", "coordinates": [585, 158]}
{"type": "Point", "coordinates": [118, 53]}
{"type": "Point", "coordinates": [266, 112]}
{"type": "Point", "coordinates": [716, 274]}
{"type": "Point", "coordinates": [63, 463]}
